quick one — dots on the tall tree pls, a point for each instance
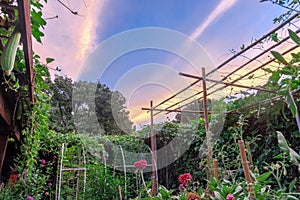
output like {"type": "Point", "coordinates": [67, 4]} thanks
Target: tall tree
{"type": "Point", "coordinates": [84, 112]}
{"type": "Point", "coordinates": [111, 111]}
{"type": "Point", "coordinates": [61, 118]}
{"type": "Point", "coordinates": [87, 107]}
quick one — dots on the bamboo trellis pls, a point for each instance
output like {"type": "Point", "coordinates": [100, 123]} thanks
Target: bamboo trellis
{"type": "Point", "coordinates": [227, 81]}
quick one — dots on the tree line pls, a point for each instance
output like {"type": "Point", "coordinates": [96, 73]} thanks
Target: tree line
{"type": "Point", "coordinates": [87, 107]}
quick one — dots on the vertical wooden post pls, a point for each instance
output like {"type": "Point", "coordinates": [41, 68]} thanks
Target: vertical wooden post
{"type": "Point", "coordinates": [153, 151]}
{"type": "Point", "coordinates": [120, 192]}
{"type": "Point", "coordinates": [25, 25]}
{"type": "Point", "coordinates": [205, 99]}
{"type": "Point", "coordinates": [209, 153]}
{"type": "Point", "coordinates": [215, 167]}
{"type": "Point", "coordinates": [3, 147]}
{"type": "Point", "coordinates": [246, 168]}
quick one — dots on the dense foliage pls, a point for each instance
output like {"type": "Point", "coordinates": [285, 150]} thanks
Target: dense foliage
{"type": "Point", "coordinates": [267, 123]}
{"type": "Point", "coordinates": [76, 105]}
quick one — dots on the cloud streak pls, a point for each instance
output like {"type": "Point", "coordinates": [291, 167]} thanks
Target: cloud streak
{"type": "Point", "coordinates": [223, 6]}
{"type": "Point", "coordinates": [69, 38]}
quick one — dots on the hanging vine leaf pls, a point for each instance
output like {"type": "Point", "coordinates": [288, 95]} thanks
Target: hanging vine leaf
{"type": "Point", "coordinates": [282, 143]}
{"type": "Point", "coordinates": [294, 36]}
{"type": "Point", "coordinates": [279, 57]}
{"type": "Point", "coordinates": [291, 103]}
{"type": "Point", "coordinates": [49, 60]}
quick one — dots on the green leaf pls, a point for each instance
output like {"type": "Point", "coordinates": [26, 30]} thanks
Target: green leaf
{"type": "Point", "coordinates": [274, 37]}
{"type": "Point", "coordinates": [292, 184]}
{"type": "Point", "coordinates": [49, 60]}
{"type": "Point", "coordinates": [294, 36]}
{"type": "Point", "coordinates": [279, 57]}
{"type": "Point", "coordinates": [292, 197]}
{"type": "Point", "coordinates": [164, 194]}
{"type": "Point", "coordinates": [282, 143]}
{"type": "Point", "coordinates": [263, 177]}
{"type": "Point", "coordinates": [275, 77]}
{"type": "Point", "coordinates": [291, 103]}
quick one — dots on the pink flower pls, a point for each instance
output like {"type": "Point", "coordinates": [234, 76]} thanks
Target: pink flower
{"type": "Point", "coordinates": [50, 184]}
{"type": "Point", "coordinates": [229, 197]}
{"type": "Point", "coordinates": [181, 187]}
{"type": "Point", "coordinates": [54, 157]}
{"type": "Point", "coordinates": [43, 162]}
{"type": "Point", "coordinates": [185, 178]}
{"type": "Point", "coordinates": [30, 198]}
{"type": "Point", "coordinates": [141, 164]}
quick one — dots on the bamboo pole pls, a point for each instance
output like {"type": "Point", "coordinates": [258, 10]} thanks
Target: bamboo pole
{"type": "Point", "coordinates": [206, 119]}
{"type": "Point", "coordinates": [153, 150]}
{"type": "Point", "coordinates": [234, 81]}
{"type": "Point", "coordinates": [255, 43]}
{"type": "Point", "coordinates": [215, 168]}
{"type": "Point", "coordinates": [120, 192]}
{"type": "Point", "coordinates": [228, 83]}
{"type": "Point", "coordinates": [246, 168]}
{"type": "Point", "coordinates": [175, 110]}
{"type": "Point", "coordinates": [240, 53]}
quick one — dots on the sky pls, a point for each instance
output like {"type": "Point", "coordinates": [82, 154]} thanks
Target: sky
{"type": "Point", "coordinates": [179, 35]}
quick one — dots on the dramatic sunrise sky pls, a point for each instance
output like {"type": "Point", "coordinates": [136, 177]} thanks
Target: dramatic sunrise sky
{"type": "Point", "coordinates": [217, 25]}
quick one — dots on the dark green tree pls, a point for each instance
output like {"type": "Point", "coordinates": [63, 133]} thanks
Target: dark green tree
{"type": "Point", "coordinates": [111, 111]}
{"type": "Point", "coordinates": [87, 108]}
{"type": "Point", "coordinates": [61, 118]}
{"type": "Point", "coordinates": [84, 108]}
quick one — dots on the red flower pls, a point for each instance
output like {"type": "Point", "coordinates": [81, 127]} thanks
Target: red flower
{"type": "Point", "coordinates": [141, 164]}
{"type": "Point", "coordinates": [229, 197]}
{"type": "Point", "coordinates": [185, 178]}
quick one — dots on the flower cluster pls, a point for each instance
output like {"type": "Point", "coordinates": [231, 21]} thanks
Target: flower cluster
{"type": "Point", "coordinates": [141, 164]}
{"type": "Point", "coordinates": [192, 196]}
{"type": "Point", "coordinates": [229, 197]}
{"type": "Point", "coordinates": [43, 163]}
{"type": "Point", "coordinates": [30, 198]}
{"type": "Point", "coordinates": [184, 179]}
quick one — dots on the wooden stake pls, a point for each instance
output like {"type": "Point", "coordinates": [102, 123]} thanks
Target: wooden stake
{"type": "Point", "coordinates": [153, 151]}
{"type": "Point", "coordinates": [215, 167]}
{"type": "Point", "coordinates": [209, 153]}
{"type": "Point", "coordinates": [246, 168]}
{"type": "Point", "coordinates": [120, 192]}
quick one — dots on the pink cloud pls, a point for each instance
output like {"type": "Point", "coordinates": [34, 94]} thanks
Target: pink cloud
{"type": "Point", "coordinates": [69, 38]}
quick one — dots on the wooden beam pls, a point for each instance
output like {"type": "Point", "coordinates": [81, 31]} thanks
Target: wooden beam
{"type": "Point", "coordinates": [5, 110]}
{"type": "Point", "coordinates": [228, 84]}
{"type": "Point", "coordinates": [5, 129]}
{"type": "Point", "coordinates": [175, 110]}
{"type": "Point", "coordinates": [7, 115]}
{"type": "Point", "coordinates": [173, 96]}
{"type": "Point", "coordinates": [3, 147]}
{"type": "Point", "coordinates": [25, 26]}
